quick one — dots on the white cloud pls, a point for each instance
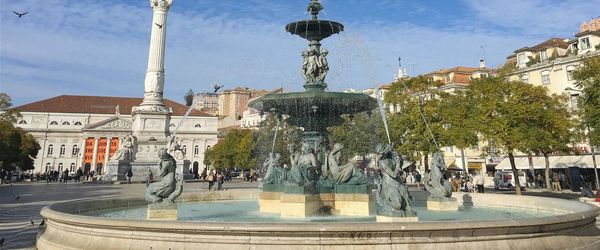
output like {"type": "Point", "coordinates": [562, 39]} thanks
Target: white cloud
{"type": "Point", "coordinates": [101, 47]}
{"type": "Point", "coordinates": [537, 17]}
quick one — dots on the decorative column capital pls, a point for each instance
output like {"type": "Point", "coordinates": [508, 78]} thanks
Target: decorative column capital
{"type": "Point", "coordinates": [161, 4]}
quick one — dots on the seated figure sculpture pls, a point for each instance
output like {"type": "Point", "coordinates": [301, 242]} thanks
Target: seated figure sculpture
{"type": "Point", "coordinates": [344, 174]}
{"type": "Point", "coordinates": [304, 166]}
{"type": "Point", "coordinates": [392, 194]}
{"type": "Point", "coordinates": [434, 181]}
{"type": "Point", "coordinates": [168, 188]}
{"type": "Point", "coordinates": [275, 174]}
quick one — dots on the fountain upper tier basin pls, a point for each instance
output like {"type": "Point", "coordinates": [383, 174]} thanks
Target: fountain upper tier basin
{"type": "Point", "coordinates": [573, 224]}
{"type": "Point", "coordinates": [314, 29]}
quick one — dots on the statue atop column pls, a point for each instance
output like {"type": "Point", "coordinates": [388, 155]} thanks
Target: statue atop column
{"type": "Point", "coordinates": [126, 149]}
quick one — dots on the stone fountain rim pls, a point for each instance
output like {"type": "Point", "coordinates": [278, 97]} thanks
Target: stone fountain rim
{"type": "Point", "coordinates": [581, 212]}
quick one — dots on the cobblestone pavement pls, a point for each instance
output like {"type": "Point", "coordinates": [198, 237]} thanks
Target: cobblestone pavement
{"type": "Point", "coordinates": [16, 214]}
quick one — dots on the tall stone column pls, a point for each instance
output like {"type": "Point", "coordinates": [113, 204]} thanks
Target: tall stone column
{"type": "Point", "coordinates": [155, 75]}
{"type": "Point", "coordinates": [95, 154]}
{"type": "Point", "coordinates": [151, 118]}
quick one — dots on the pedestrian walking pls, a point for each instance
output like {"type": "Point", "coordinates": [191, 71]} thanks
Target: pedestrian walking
{"type": "Point", "coordinates": [149, 177]}
{"type": "Point", "coordinates": [418, 180]}
{"type": "Point", "coordinates": [556, 182]}
{"type": "Point", "coordinates": [220, 180]}
{"type": "Point", "coordinates": [211, 180]}
{"type": "Point", "coordinates": [480, 181]}
{"type": "Point", "coordinates": [129, 175]}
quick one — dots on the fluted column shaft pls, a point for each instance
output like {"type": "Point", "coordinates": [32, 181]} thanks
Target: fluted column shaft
{"type": "Point", "coordinates": [155, 75]}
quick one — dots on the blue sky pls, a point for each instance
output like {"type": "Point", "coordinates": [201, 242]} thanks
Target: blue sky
{"type": "Point", "coordinates": [87, 47]}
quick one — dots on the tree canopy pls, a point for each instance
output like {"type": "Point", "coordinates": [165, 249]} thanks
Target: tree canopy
{"type": "Point", "coordinates": [359, 134]}
{"type": "Point", "coordinates": [588, 80]}
{"type": "Point", "coordinates": [17, 147]}
{"type": "Point", "coordinates": [417, 99]}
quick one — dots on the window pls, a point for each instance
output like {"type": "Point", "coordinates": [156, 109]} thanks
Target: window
{"type": "Point", "coordinates": [483, 75]}
{"type": "Point", "coordinates": [196, 150]}
{"type": "Point", "coordinates": [184, 149]}
{"type": "Point", "coordinates": [22, 122]}
{"type": "Point", "coordinates": [570, 71]}
{"type": "Point", "coordinates": [62, 150]}
{"type": "Point", "coordinates": [525, 78]}
{"type": "Point", "coordinates": [75, 150]}
{"type": "Point", "coordinates": [72, 167]}
{"type": "Point", "coordinates": [543, 56]}
{"type": "Point", "coordinates": [50, 149]}
{"type": "Point", "coordinates": [446, 78]}
{"type": "Point", "coordinates": [197, 126]}
{"type": "Point", "coordinates": [574, 100]}
{"type": "Point", "coordinates": [585, 43]}
{"type": "Point", "coordinates": [521, 59]}
{"type": "Point", "coordinates": [546, 77]}
{"type": "Point", "coordinates": [60, 167]}
{"type": "Point", "coordinates": [66, 123]}
{"type": "Point", "coordinates": [54, 123]}
{"type": "Point", "coordinates": [47, 167]}
{"type": "Point", "coordinates": [77, 124]}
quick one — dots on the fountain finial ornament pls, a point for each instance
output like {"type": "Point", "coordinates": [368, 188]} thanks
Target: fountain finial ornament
{"type": "Point", "coordinates": [314, 7]}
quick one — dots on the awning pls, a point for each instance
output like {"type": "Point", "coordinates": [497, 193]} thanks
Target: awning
{"type": "Point", "coordinates": [582, 161]}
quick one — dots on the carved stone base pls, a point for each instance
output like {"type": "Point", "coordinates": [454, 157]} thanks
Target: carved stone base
{"type": "Point", "coordinates": [355, 204]}
{"type": "Point", "coordinates": [162, 212]}
{"type": "Point", "coordinates": [442, 204]}
{"type": "Point", "coordinates": [383, 218]}
{"type": "Point", "coordinates": [116, 171]}
{"type": "Point", "coordinates": [300, 205]}
{"type": "Point", "coordinates": [270, 202]}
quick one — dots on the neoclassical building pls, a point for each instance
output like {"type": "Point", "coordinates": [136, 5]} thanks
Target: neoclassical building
{"type": "Point", "coordinates": [85, 131]}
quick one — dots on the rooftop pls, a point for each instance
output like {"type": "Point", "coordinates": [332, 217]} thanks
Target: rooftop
{"type": "Point", "coordinates": [96, 105]}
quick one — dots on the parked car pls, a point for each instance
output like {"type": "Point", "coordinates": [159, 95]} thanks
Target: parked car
{"type": "Point", "coordinates": [506, 180]}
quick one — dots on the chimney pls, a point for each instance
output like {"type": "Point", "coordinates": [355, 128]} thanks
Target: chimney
{"type": "Point", "coordinates": [481, 64]}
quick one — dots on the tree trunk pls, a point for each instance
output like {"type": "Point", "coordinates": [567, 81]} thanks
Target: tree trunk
{"type": "Point", "coordinates": [547, 172]}
{"type": "Point", "coordinates": [511, 157]}
{"type": "Point", "coordinates": [426, 162]}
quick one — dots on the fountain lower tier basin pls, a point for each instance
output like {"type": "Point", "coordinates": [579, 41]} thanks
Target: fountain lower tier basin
{"type": "Point", "coordinates": [229, 220]}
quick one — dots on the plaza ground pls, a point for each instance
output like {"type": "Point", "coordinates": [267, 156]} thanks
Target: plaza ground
{"type": "Point", "coordinates": [15, 214]}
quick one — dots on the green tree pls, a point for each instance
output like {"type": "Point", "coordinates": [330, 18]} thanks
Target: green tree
{"type": "Point", "coordinates": [233, 151]}
{"type": "Point", "coordinates": [459, 122]}
{"type": "Point", "coordinates": [7, 114]}
{"type": "Point", "coordinates": [588, 80]}
{"type": "Point", "coordinates": [417, 99]}
{"type": "Point", "coordinates": [511, 114]}
{"type": "Point", "coordinates": [264, 136]}
{"type": "Point", "coordinates": [189, 98]}
{"type": "Point", "coordinates": [358, 134]}
{"type": "Point", "coordinates": [17, 147]}
{"type": "Point", "coordinates": [551, 131]}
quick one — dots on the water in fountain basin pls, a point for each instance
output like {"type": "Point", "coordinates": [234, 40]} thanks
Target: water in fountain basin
{"type": "Point", "coordinates": [248, 211]}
